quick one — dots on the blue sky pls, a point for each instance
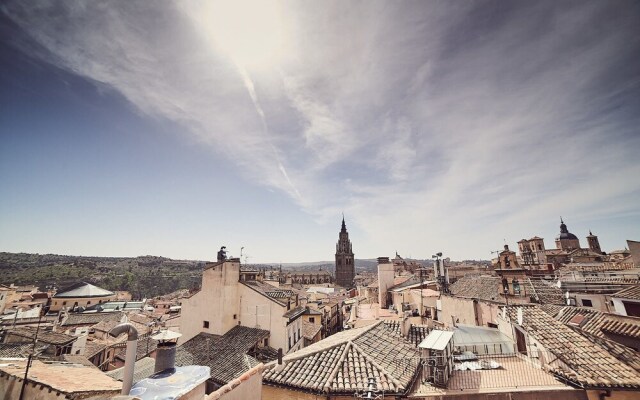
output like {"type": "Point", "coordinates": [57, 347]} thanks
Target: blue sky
{"type": "Point", "coordinates": [132, 128]}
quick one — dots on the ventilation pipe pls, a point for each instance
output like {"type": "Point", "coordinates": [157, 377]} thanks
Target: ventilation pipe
{"type": "Point", "coordinates": [130, 357]}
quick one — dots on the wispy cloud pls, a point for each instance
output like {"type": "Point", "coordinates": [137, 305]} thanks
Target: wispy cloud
{"type": "Point", "coordinates": [423, 121]}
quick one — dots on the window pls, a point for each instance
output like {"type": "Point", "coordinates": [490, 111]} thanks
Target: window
{"type": "Point", "coordinates": [312, 320]}
{"type": "Point", "coordinates": [234, 316]}
{"type": "Point", "coordinates": [64, 303]}
{"type": "Point", "coordinates": [289, 342]}
{"type": "Point", "coordinates": [266, 341]}
{"type": "Point", "coordinates": [587, 303]}
{"type": "Point", "coordinates": [298, 333]}
{"type": "Point", "coordinates": [205, 324]}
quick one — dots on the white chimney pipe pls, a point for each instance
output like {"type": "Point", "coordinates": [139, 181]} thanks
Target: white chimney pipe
{"type": "Point", "coordinates": [130, 357]}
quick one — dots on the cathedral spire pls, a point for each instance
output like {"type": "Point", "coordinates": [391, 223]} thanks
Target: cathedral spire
{"type": "Point", "coordinates": [345, 268]}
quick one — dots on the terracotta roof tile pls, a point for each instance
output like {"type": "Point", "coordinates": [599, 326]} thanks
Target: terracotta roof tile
{"type": "Point", "coordinates": [584, 363]}
{"type": "Point", "coordinates": [342, 363]}
{"type": "Point", "coordinates": [54, 338]}
{"type": "Point", "coordinates": [477, 287]}
{"type": "Point", "coordinates": [632, 292]}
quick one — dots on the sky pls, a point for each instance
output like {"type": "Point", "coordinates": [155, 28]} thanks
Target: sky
{"type": "Point", "coordinates": [173, 128]}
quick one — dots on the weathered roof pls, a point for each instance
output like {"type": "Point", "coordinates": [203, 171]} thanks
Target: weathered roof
{"type": "Point", "coordinates": [53, 338]}
{"type": "Point", "coordinates": [244, 338]}
{"type": "Point", "coordinates": [66, 378]}
{"type": "Point", "coordinates": [17, 349]}
{"type": "Point", "coordinates": [83, 289]}
{"type": "Point", "coordinates": [632, 292]}
{"type": "Point", "coordinates": [342, 363]}
{"type": "Point", "coordinates": [544, 292]}
{"type": "Point", "coordinates": [417, 333]}
{"type": "Point", "coordinates": [272, 292]}
{"type": "Point", "coordinates": [310, 330]}
{"type": "Point", "coordinates": [585, 364]}
{"type": "Point", "coordinates": [294, 312]}
{"type": "Point", "coordinates": [145, 346]}
{"type": "Point", "coordinates": [142, 369]}
{"type": "Point", "coordinates": [622, 328]}
{"type": "Point", "coordinates": [226, 359]}
{"type": "Point", "coordinates": [477, 287]}
{"type": "Point", "coordinates": [592, 321]}
{"type": "Point", "coordinates": [90, 318]}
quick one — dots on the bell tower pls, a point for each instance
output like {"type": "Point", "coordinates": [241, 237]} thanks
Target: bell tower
{"type": "Point", "coordinates": [345, 268]}
{"type": "Point", "coordinates": [594, 243]}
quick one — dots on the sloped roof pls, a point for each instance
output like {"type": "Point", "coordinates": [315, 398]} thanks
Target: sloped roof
{"type": "Point", "coordinates": [632, 292]}
{"type": "Point", "coordinates": [477, 287]}
{"type": "Point", "coordinates": [272, 292]}
{"type": "Point", "coordinates": [622, 328]}
{"type": "Point", "coordinates": [92, 318]}
{"type": "Point", "coordinates": [543, 292]}
{"type": "Point", "coordinates": [53, 338]}
{"type": "Point", "coordinates": [143, 368]}
{"type": "Point", "coordinates": [417, 333]}
{"type": "Point", "coordinates": [226, 359]}
{"type": "Point", "coordinates": [81, 290]}
{"type": "Point", "coordinates": [22, 349]}
{"type": "Point", "coordinates": [310, 330]}
{"type": "Point", "coordinates": [593, 321]}
{"type": "Point", "coordinates": [587, 364]}
{"type": "Point", "coordinates": [342, 363]}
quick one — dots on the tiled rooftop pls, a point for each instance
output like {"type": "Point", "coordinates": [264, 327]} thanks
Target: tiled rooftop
{"type": "Point", "coordinates": [622, 328]}
{"type": "Point", "coordinates": [310, 330]}
{"type": "Point", "coordinates": [17, 349]}
{"type": "Point", "coordinates": [584, 363]}
{"type": "Point", "coordinates": [632, 292]}
{"type": "Point", "coordinates": [593, 321]}
{"type": "Point", "coordinates": [76, 319]}
{"type": "Point", "coordinates": [226, 361]}
{"type": "Point", "coordinates": [66, 378]}
{"type": "Point", "coordinates": [477, 287]}
{"type": "Point", "coordinates": [28, 332]}
{"type": "Point", "coordinates": [142, 369]}
{"type": "Point", "coordinates": [417, 333]}
{"type": "Point", "coordinates": [544, 292]}
{"type": "Point", "coordinates": [278, 295]}
{"type": "Point", "coordinates": [342, 363]}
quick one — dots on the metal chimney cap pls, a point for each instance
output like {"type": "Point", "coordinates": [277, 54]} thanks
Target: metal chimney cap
{"type": "Point", "coordinates": [166, 335]}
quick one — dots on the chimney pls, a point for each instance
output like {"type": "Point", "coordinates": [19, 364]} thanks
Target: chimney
{"type": "Point", "coordinates": [520, 316]}
{"type": "Point", "coordinates": [280, 365]}
{"type": "Point", "coordinates": [386, 274]}
{"type": "Point", "coordinates": [166, 351]}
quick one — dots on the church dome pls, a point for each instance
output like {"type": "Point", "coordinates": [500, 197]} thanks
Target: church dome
{"type": "Point", "coordinates": [564, 232]}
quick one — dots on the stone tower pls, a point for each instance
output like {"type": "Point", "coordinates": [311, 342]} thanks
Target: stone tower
{"type": "Point", "coordinates": [594, 243]}
{"type": "Point", "coordinates": [345, 268]}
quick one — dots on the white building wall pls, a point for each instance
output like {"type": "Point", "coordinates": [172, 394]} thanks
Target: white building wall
{"type": "Point", "coordinates": [386, 274]}
{"type": "Point", "coordinates": [217, 302]}
{"type": "Point", "coordinates": [258, 311]}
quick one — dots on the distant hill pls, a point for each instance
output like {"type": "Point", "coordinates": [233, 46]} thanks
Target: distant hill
{"type": "Point", "coordinates": [145, 276]}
